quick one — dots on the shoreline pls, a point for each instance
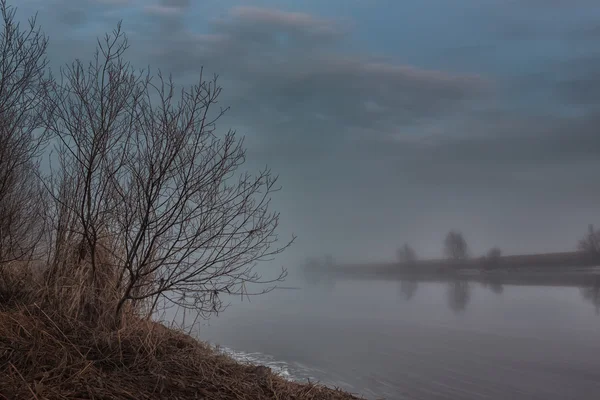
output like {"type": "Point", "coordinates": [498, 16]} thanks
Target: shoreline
{"type": "Point", "coordinates": [551, 269]}
{"type": "Point", "coordinates": [45, 354]}
{"type": "Point", "coordinates": [546, 278]}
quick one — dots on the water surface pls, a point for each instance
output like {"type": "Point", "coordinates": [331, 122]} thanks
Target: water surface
{"type": "Point", "coordinates": [409, 340]}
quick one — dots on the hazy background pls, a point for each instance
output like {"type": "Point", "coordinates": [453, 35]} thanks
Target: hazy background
{"type": "Point", "coordinates": [388, 121]}
{"type": "Point", "coordinates": [395, 121]}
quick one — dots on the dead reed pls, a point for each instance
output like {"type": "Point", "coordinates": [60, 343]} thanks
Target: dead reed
{"type": "Point", "coordinates": [46, 353]}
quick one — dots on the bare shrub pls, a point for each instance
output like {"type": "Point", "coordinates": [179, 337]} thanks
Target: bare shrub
{"type": "Point", "coordinates": [149, 193]}
{"type": "Point", "coordinates": [455, 246]}
{"type": "Point", "coordinates": [23, 88]}
{"type": "Point", "coordinates": [494, 253]}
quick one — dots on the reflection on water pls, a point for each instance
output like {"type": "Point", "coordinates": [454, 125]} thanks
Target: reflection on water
{"type": "Point", "coordinates": [453, 340]}
{"type": "Point", "coordinates": [497, 288]}
{"type": "Point", "coordinates": [591, 293]}
{"type": "Point", "coordinates": [494, 284]}
{"type": "Point", "coordinates": [458, 292]}
{"type": "Point", "coordinates": [459, 295]}
{"type": "Point", "coordinates": [408, 289]}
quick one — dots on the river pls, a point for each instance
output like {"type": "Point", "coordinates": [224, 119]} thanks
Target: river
{"type": "Point", "coordinates": [410, 340]}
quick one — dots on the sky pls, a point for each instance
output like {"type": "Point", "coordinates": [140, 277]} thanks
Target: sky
{"type": "Point", "coordinates": [387, 121]}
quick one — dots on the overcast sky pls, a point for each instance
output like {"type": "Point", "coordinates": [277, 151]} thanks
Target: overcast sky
{"type": "Point", "coordinates": [388, 121]}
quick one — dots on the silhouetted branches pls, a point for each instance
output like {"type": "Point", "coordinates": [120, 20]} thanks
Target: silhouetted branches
{"type": "Point", "coordinates": [145, 180]}
{"type": "Point", "coordinates": [24, 84]}
{"type": "Point", "coordinates": [455, 246]}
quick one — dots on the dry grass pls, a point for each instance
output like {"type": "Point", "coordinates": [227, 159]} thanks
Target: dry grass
{"type": "Point", "coordinates": [46, 354]}
{"type": "Point", "coordinates": [19, 283]}
{"type": "Point", "coordinates": [58, 341]}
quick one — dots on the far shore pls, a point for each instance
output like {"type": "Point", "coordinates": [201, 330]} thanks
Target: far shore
{"type": "Point", "coordinates": [555, 269]}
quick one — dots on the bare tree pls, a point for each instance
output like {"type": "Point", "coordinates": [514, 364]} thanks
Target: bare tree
{"type": "Point", "coordinates": [149, 191]}
{"type": "Point", "coordinates": [590, 243]}
{"type": "Point", "coordinates": [406, 255]}
{"type": "Point", "coordinates": [24, 83]}
{"type": "Point", "coordinates": [493, 257]}
{"type": "Point", "coordinates": [494, 253]}
{"type": "Point", "coordinates": [455, 246]}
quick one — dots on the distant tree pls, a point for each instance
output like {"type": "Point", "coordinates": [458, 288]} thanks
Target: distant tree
{"type": "Point", "coordinates": [493, 257]}
{"type": "Point", "coordinates": [590, 243]}
{"type": "Point", "coordinates": [494, 253]}
{"type": "Point", "coordinates": [455, 246]}
{"type": "Point", "coordinates": [406, 254]}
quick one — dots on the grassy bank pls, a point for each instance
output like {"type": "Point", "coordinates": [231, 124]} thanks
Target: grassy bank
{"type": "Point", "coordinates": [47, 352]}
{"type": "Point", "coordinates": [144, 204]}
{"type": "Point", "coordinates": [46, 355]}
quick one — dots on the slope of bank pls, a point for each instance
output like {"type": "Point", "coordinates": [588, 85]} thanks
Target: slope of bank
{"type": "Point", "coordinates": [45, 355]}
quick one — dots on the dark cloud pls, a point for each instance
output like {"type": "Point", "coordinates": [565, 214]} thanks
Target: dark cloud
{"type": "Point", "coordinates": [69, 12]}
{"type": "Point", "coordinates": [288, 68]}
{"type": "Point", "coordinates": [73, 16]}
{"type": "Point", "coordinates": [163, 11]}
{"type": "Point", "coordinates": [170, 15]}
{"type": "Point", "coordinates": [168, 8]}
{"type": "Point", "coordinates": [73, 13]}
{"type": "Point", "coordinates": [265, 24]}
{"type": "Point", "coordinates": [176, 3]}
{"type": "Point", "coordinates": [376, 144]}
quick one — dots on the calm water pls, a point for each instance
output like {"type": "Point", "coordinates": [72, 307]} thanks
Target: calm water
{"type": "Point", "coordinates": [403, 340]}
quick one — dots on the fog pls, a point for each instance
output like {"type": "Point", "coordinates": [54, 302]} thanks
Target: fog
{"type": "Point", "coordinates": [394, 122]}
{"type": "Point", "coordinates": [381, 140]}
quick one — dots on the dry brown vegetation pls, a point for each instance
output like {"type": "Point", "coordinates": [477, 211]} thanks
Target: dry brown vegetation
{"type": "Point", "coordinates": [46, 355]}
{"type": "Point", "coordinates": [145, 205]}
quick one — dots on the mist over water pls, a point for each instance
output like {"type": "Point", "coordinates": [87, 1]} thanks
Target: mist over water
{"type": "Point", "coordinates": [422, 340]}
{"type": "Point", "coordinates": [485, 121]}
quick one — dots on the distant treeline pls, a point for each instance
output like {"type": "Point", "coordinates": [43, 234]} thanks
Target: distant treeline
{"type": "Point", "coordinates": [570, 268]}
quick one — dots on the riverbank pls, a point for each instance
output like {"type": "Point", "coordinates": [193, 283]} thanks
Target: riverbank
{"type": "Point", "coordinates": [46, 355]}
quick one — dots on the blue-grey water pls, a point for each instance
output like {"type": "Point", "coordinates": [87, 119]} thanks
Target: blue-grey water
{"type": "Point", "coordinates": [407, 340]}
